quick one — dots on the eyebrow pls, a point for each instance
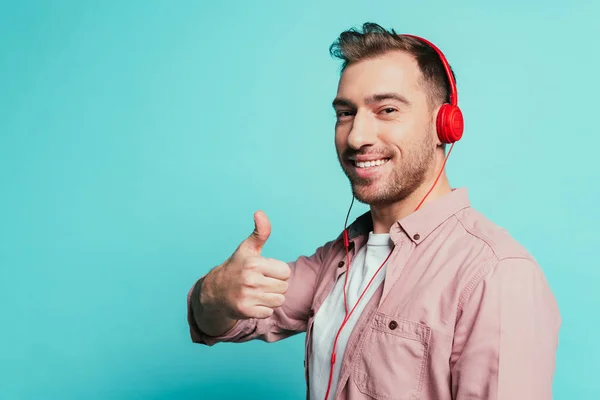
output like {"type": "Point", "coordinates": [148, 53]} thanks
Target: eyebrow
{"type": "Point", "coordinates": [376, 98]}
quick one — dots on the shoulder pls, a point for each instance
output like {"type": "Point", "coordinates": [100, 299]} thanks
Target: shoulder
{"type": "Point", "coordinates": [509, 270]}
{"type": "Point", "coordinates": [488, 248]}
{"type": "Point", "coordinates": [495, 238]}
{"type": "Point", "coordinates": [473, 246]}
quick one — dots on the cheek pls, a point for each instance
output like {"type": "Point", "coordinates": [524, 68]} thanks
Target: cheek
{"type": "Point", "coordinates": [402, 135]}
{"type": "Point", "coordinates": [340, 139]}
{"type": "Point", "coordinates": [394, 137]}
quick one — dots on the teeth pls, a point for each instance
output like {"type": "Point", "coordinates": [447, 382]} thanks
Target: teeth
{"type": "Point", "coordinates": [369, 164]}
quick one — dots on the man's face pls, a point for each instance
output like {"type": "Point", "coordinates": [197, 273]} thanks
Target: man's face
{"type": "Point", "coordinates": [385, 132]}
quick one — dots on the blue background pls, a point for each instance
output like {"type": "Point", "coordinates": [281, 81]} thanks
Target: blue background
{"type": "Point", "coordinates": [137, 139]}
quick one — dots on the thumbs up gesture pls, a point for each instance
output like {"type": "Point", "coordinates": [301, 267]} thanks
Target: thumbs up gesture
{"type": "Point", "coordinates": [248, 285]}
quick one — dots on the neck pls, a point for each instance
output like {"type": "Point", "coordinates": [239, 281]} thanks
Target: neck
{"type": "Point", "coordinates": [386, 215]}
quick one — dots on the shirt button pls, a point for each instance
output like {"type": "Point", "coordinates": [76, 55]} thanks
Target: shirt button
{"type": "Point", "coordinates": [340, 264]}
{"type": "Point", "coordinates": [417, 236]}
{"type": "Point", "coordinates": [393, 325]}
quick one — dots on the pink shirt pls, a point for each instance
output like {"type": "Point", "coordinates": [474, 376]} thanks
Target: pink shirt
{"type": "Point", "coordinates": [464, 312]}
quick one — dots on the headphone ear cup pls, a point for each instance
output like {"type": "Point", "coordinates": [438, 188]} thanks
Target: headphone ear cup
{"type": "Point", "coordinates": [450, 124]}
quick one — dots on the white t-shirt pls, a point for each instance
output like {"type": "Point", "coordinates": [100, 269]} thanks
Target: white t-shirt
{"type": "Point", "coordinates": [332, 313]}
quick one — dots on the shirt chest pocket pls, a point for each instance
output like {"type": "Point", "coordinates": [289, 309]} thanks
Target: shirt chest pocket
{"type": "Point", "coordinates": [393, 357]}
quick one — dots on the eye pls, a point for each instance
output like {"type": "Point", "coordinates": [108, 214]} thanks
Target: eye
{"type": "Point", "coordinates": [389, 110]}
{"type": "Point", "coordinates": [343, 114]}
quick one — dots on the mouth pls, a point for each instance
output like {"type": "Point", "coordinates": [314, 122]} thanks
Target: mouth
{"type": "Point", "coordinates": [368, 169]}
{"type": "Point", "coordinates": [369, 164]}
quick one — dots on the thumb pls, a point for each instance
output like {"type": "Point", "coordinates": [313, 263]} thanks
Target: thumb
{"type": "Point", "coordinates": [262, 231]}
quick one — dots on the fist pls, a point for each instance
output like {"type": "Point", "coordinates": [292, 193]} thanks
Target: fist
{"type": "Point", "coordinates": [248, 285]}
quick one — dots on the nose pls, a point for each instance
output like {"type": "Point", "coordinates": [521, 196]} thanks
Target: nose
{"type": "Point", "coordinates": [362, 133]}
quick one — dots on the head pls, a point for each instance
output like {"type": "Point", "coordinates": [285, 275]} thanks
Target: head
{"type": "Point", "coordinates": [389, 92]}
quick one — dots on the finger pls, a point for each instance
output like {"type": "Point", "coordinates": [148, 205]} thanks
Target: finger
{"type": "Point", "coordinates": [262, 231]}
{"type": "Point", "coordinates": [272, 300]}
{"type": "Point", "coordinates": [272, 285]}
{"type": "Point", "coordinates": [276, 269]}
{"type": "Point", "coordinates": [261, 312]}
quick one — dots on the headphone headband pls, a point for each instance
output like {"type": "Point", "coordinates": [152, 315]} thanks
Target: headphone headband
{"type": "Point", "coordinates": [449, 121]}
{"type": "Point", "coordinates": [453, 91]}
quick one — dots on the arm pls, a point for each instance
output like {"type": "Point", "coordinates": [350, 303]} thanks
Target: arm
{"type": "Point", "coordinates": [506, 336]}
{"type": "Point", "coordinates": [287, 320]}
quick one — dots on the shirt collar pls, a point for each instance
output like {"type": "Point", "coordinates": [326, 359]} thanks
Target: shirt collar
{"type": "Point", "coordinates": [419, 224]}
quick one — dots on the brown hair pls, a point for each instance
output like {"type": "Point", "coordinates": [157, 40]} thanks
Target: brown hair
{"type": "Point", "coordinates": [353, 46]}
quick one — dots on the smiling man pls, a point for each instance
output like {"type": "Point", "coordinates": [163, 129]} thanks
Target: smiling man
{"type": "Point", "coordinates": [422, 297]}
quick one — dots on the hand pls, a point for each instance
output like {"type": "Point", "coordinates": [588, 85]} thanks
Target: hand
{"type": "Point", "coordinates": [247, 285]}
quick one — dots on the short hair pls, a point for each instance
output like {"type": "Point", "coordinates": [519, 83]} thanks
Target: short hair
{"type": "Point", "coordinates": [353, 46]}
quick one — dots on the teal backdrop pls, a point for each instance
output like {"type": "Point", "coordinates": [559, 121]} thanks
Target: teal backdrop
{"type": "Point", "coordinates": [137, 138]}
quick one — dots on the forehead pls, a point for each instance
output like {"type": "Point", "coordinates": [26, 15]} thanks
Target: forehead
{"type": "Point", "coordinates": [391, 72]}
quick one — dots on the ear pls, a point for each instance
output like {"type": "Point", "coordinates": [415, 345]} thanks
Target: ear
{"type": "Point", "coordinates": [436, 137]}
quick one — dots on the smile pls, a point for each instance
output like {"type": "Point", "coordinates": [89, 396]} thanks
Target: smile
{"type": "Point", "coordinates": [370, 164]}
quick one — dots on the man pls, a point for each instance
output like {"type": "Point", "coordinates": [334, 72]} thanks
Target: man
{"type": "Point", "coordinates": [437, 303]}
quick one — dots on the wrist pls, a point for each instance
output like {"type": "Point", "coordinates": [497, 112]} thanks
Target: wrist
{"type": "Point", "coordinates": [206, 295]}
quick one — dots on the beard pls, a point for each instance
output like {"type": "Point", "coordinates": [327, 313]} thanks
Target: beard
{"type": "Point", "coordinates": [407, 175]}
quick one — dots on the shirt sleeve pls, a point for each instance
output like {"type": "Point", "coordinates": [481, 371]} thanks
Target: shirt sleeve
{"type": "Point", "coordinates": [506, 337]}
{"type": "Point", "coordinates": [289, 319]}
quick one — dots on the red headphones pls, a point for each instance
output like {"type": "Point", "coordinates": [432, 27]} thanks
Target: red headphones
{"type": "Point", "coordinates": [449, 126]}
{"type": "Point", "coordinates": [449, 123]}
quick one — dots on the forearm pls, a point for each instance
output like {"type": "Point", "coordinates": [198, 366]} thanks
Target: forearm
{"type": "Point", "coordinates": [209, 320]}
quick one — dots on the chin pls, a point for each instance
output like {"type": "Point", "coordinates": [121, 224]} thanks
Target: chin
{"type": "Point", "coordinates": [382, 193]}
{"type": "Point", "coordinates": [373, 195]}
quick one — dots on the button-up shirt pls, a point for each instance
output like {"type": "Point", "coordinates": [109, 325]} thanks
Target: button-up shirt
{"type": "Point", "coordinates": [464, 311]}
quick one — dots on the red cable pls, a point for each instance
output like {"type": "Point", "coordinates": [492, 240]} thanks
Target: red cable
{"type": "Point", "coordinates": [346, 244]}
{"type": "Point", "coordinates": [333, 354]}
{"type": "Point", "coordinates": [438, 177]}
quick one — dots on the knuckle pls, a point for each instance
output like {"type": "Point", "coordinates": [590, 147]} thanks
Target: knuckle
{"type": "Point", "coordinates": [245, 293]}
{"type": "Point", "coordinates": [250, 263]}
{"type": "Point", "coordinates": [249, 278]}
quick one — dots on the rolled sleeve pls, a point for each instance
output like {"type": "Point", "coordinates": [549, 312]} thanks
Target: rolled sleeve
{"type": "Point", "coordinates": [506, 336]}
